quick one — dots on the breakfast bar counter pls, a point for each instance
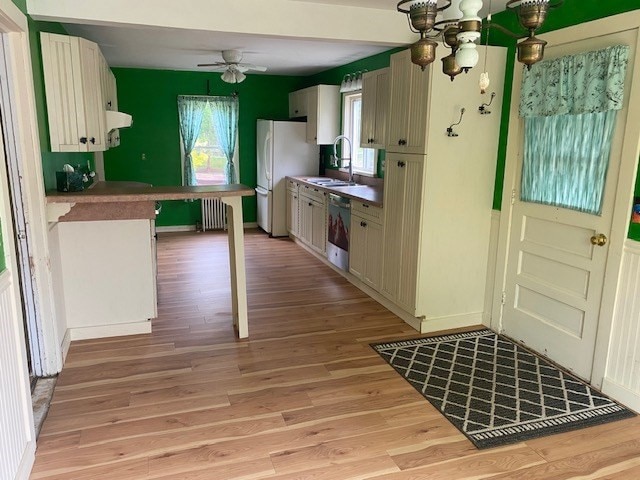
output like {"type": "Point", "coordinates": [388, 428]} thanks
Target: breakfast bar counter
{"type": "Point", "coordinates": [93, 218]}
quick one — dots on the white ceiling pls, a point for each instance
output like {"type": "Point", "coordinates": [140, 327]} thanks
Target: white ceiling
{"type": "Point", "coordinates": [302, 45]}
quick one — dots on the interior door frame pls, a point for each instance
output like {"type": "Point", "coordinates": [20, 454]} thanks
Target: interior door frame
{"type": "Point", "coordinates": [630, 153]}
{"type": "Point", "coordinates": [14, 24]}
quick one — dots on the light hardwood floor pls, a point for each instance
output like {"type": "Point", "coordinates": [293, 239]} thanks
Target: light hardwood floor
{"type": "Point", "coordinates": [304, 398]}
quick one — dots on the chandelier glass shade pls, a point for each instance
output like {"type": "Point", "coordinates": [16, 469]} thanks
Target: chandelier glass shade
{"type": "Point", "coordinates": [460, 27]}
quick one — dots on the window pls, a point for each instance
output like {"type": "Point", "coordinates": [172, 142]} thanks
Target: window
{"type": "Point", "coordinates": [208, 133]}
{"type": "Point", "coordinates": [364, 159]}
{"type": "Point", "coordinates": [207, 157]}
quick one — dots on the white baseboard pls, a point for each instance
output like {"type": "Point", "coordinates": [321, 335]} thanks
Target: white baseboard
{"type": "Point", "coordinates": [27, 461]}
{"type": "Point", "coordinates": [437, 324]}
{"type": "Point", "coordinates": [176, 228]}
{"type": "Point", "coordinates": [192, 228]}
{"type": "Point", "coordinates": [66, 343]}
{"type": "Point", "coordinates": [116, 330]}
{"type": "Point", "coordinates": [623, 395]}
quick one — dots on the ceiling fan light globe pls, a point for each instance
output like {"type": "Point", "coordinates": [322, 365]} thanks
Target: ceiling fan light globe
{"type": "Point", "coordinates": [240, 77]}
{"type": "Point", "coordinates": [228, 76]}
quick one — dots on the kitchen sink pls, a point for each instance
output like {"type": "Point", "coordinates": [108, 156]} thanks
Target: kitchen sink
{"type": "Point", "coordinates": [332, 182]}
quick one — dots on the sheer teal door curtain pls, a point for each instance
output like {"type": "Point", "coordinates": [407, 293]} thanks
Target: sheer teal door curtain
{"type": "Point", "coordinates": [569, 106]}
{"type": "Point", "coordinates": [225, 110]}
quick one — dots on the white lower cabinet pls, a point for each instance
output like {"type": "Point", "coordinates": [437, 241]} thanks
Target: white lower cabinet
{"type": "Point", "coordinates": [104, 276]}
{"type": "Point", "coordinates": [313, 218]}
{"type": "Point", "coordinates": [365, 246]}
{"type": "Point", "coordinates": [293, 208]}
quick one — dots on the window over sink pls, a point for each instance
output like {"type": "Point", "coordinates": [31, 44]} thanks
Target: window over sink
{"type": "Point", "coordinates": [364, 159]}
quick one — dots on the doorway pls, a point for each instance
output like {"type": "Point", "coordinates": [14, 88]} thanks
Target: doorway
{"type": "Point", "coordinates": [25, 274]}
{"type": "Point", "coordinates": [554, 284]}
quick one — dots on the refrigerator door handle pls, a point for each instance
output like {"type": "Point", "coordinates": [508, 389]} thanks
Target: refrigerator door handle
{"type": "Point", "coordinates": [267, 143]}
{"type": "Point", "coordinates": [261, 191]}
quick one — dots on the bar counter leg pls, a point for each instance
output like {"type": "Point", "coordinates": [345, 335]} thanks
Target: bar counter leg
{"type": "Point", "coordinates": [237, 264]}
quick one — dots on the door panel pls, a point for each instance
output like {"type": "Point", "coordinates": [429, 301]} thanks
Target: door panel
{"type": "Point", "coordinates": [555, 275]}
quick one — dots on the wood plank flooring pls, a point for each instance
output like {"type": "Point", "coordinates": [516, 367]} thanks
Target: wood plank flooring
{"type": "Point", "coordinates": [304, 398]}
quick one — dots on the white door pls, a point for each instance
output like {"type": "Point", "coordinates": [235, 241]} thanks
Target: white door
{"type": "Point", "coordinates": [554, 273]}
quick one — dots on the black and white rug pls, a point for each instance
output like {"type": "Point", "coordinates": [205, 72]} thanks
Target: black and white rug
{"type": "Point", "coordinates": [496, 392]}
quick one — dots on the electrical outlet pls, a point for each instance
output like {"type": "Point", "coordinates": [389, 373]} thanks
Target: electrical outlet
{"type": "Point", "coordinates": [144, 156]}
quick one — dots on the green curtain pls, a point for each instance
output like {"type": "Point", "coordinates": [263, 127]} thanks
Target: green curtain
{"type": "Point", "coordinates": [190, 112]}
{"type": "Point", "coordinates": [576, 84]}
{"type": "Point", "coordinates": [225, 119]}
{"type": "Point", "coordinates": [570, 106]}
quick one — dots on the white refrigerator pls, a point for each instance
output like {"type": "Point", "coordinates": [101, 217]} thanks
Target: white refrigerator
{"type": "Point", "coordinates": [282, 150]}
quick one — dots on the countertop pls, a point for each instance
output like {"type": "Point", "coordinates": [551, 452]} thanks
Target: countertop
{"type": "Point", "coordinates": [103, 192]}
{"type": "Point", "coordinates": [363, 193]}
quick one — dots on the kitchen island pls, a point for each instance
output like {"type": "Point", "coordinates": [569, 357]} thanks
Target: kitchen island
{"type": "Point", "coordinates": [102, 244]}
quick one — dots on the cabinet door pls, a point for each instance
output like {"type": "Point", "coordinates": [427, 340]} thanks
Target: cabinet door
{"type": "Point", "coordinates": [394, 179]}
{"type": "Point", "coordinates": [357, 246]}
{"type": "Point", "coordinates": [312, 115]}
{"type": "Point", "coordinates": [382, 109]}
{"type": "Point", "coordinates": [369, 109]}
{"type": "Point", "coordinates": [61, 85]}
{"type": "Point", "coordinates": [94, 120]}
{"type": "Point", "coordinates": [319, 233]}
{"type": "Point", "coordinates": [298, 103]}
{"type": "Point", "coordinates": [417, 111]}
{"type": "Point", "coordinates": [372, 274]}
{"type": "Point", "coordinates": [403, 202]}
{"type": "Point", "coordinates": [399, 89]}
{"type": "Point", "coordinates": [306, 219]}
{"type": "Point", "coordinates": [293, 210]}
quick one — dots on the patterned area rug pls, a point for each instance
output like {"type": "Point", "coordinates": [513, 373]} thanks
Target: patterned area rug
{"type": "Point", "coordinates": [496, 392]}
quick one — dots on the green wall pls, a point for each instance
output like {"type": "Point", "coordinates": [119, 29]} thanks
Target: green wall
{"type": "Point", "coordinates": [572, 12]}
{"type": "Point", "coordinates": [150, 96]}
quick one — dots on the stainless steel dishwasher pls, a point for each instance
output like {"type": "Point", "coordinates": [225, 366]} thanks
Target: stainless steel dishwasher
{"type": "Point", "coordinates": [338, 225]}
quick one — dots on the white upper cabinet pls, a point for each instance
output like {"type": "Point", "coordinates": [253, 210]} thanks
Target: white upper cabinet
{"type": "Point", "coordinates": [375, 107]}
{"type": "Point", "coordinates": [110, 100]}
{"type": "Point", "coordinates": [298, 103]}
{"type": "Point", "coordinates": [73, 86]}
{"type": "Point", "coordinates": [407, 119]}
{"type": "Point", "coordinates": [321, 105]}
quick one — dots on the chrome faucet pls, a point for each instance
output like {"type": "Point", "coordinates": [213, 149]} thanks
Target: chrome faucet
{"type": "Point", "coordinates": [338, 160]}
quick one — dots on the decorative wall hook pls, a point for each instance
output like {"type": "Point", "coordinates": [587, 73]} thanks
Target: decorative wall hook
{"type": "Point", "coordinates": [483, 108]}
{"type": "Point", "coordinates": [450, 132]}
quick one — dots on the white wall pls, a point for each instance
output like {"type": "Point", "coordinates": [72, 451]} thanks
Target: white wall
{"type": "Point", "coordinates": [622, 376]}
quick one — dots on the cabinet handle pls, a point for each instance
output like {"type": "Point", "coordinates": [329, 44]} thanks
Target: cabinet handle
{"type": "Point", "coordinates": [363, 224]}
{"type": "Point", "coordinates": [83, 139]}
{"type": "Point", "coordinates": [310, 204]}
{"type": "Point", "coordinates": [93, 140]}
{"type": "Point", "coordinates": [296, 111]}
{"type": "Point", "coordinates": [365, 205]}
{"type": "Point", "coordinates": [109, 103]}
{"type": "Point", "coordinates": [401, 164]}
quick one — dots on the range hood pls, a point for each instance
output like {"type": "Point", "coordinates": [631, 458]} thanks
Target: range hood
{"type": "Point", "coordinates": [117, 120]}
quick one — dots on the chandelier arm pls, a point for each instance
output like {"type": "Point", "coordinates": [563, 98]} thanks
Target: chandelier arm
{"type": "Point", "coordinates": [507, 31]}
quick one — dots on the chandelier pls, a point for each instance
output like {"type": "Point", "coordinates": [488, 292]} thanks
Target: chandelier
{"type": "Point", "coordinates": [460, 26]}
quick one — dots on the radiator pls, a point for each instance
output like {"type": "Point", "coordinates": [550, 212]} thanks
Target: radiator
{"type": "Point", "coordinates": [15, 434]}
{"type": "Point", "coordinates": [214, 214]}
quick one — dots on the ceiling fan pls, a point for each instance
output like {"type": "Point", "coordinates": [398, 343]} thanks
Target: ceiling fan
{"type": "Point", "coordinates": [233, 68]}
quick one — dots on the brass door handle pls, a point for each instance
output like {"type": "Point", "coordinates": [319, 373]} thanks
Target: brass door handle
{"type": "Point", "coordinates": [599, 240]}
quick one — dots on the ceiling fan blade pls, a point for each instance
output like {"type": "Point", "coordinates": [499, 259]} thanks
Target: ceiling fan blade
{"type": "Point", "coordinates": [216, 64]}
{"type": "Point", "coordinates": [256, 68]}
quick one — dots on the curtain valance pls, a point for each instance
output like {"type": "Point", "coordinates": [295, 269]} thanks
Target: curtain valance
{"type": "Point", "coordinates": [588, 82]}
